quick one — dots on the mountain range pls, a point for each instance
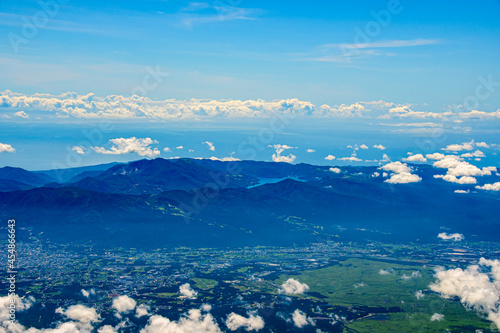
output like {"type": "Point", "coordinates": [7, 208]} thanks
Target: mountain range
{"type": "Point", "coordinates": [207, 203]}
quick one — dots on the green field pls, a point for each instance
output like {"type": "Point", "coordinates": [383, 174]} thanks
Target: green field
{"type": "Point", "coordinates": [358, 282]}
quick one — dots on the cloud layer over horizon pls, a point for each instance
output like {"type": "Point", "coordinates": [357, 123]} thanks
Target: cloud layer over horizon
{"type": "Point", "coordinates": [90, 106]}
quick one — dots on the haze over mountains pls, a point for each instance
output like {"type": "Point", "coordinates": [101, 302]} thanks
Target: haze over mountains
{"type": "Point", "coordinates": [162, 203]}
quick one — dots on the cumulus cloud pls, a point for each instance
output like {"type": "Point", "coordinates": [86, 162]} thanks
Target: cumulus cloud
{"type": "Point", "coordinates": [300, 319]}
{"type": "Point", "coordinates": [130, 145]}
{"type": "Point", "coordinates": [363, 146]}
{"type": "Point", "coordinates": [460, 147]}
{"type": "Point", "coordinates": [490, 187]}
{"type": "Point", "coordinates": [401, 173]}
{"type": "Point", "coordinates": [477, 153]}
{"type": "Point", "coordinates": [293, 287]}
{"type": "Point", "coordinates": [253, 323]}
{"type": "Point", "coordinates": [91, 106]}
{"type": "Point", "coordinates": [419, 294]}
{"type": "Point", "coordinates": [477, 287]}
{"type": "Point", "coordinates": [311, 150]}
{"type": "Point", "coordinates": [461, 191]}
{"type": "Point", "coordinates": [277, 157]}
{"type": "Point", "coordinates": [167, 150]}
{"type": "Point", "coordinates": [330, 158]}
{"type": "Point", "coordinates": [482, 144]}
{"type": "Point", "coordinates": [210, 145]}
{"type": "Point", "coordinates": [224, 159]}
{"type": "Point", "coordinates": [350, 159]}
{"type": "Point", "coordinates": [86, 293]}
{"type": "Point", "coordinates": [437, 317]}
{"type": "Point", "coordinates": [187, 291]}
{"type": "Point", "coordinates": [22, 114]}
{"type": "Point", "coordinates": [455, 237]}
{"type": "Point", "coordinates": [459, 171]}
{"type": "Point", "coordinates": [439, 156]}
{"type": "Point", "coordinates": [179, 147]}
{"type": "Point", "coordinates": [413, 275]}
{"type": "Point", "coordinates": [403, 178]}
{"type": "Point", "coordinates": [460, 180]}
{"type": "Point", "coordinates": [123, 304]}
{"type": "Point", "coordinates": [5, 148]}
{"type": "Point", "coordinates": [380, 147]}
{"type": "Point", "coordinates": [335, 170]}
{"type": "Point", "coordinates": [80, 313]}
{"type": "Point", "coordinates": [142, 310]}
{"type": "Point", "coordinates": [79, 149]}
{"type": "Point", "coordinates": [193, 322]}
{"type": "Point", "coordinates": [415, 158]}
{"type": "Point", "coordinates": [384, 272]}
{"type": "Point", "coordinates": [21, 303]}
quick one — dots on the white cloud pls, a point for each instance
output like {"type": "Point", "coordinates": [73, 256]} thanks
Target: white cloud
{"type": "Point", "coordinates": [351, 159]}
{"type": "Point", "coordinates": [455, 237]}
{"type": "Point", "coordinates": [396, 167]}
{"type": "Point", "coordinates": [460, 147]}
{"type": "Point", "coordinates": [167, 150]}
{"type": "Point", "coordinates": [311, 150]}
{"type": "Point", "coordinates": [403, 178]}
{"type": "Point", "coordinates": [107, 329]}
{"type": "Point", "coordinates": [179, 147]}
{"type": "Point", "coordinates": [419, 294]}
{"type": "Point", "coordinates": [142, 310]}
{"type": "Point", "coordinates": [439, 156]}
{"type": "Point", "coordinates": [123, 304]}
{"type": "Point", "coordinates": [330, 158]}
{"type": "Point", "coordinates": [252, 323]}
{"type": "Point", "coordinates": [477, 286]}
{"type": "Point", "coordinates": [130, 145]}
{"type": "Point", "coordinates": [80, 313]}
{"type": "Point", "coordinates": [363, 146]}
{"type": "Point", "coordinates": [192, 322]}
{"type": "Point", "coordinates": [187, 291]}
{"type": "Point", "coordinates": [293, 287]}
{"type": "Point", "coordinates": [414, 275]}
{"type": "Point", "coordinates": [490, 187]}
{"type": "Point", "coordinates": [86, 293]}
{"type": "Point", "coordinates": [224, 159]}
{"type": "Point", "coordinates": [79, 149]}
{"type": "Point", "coordinates": [300, 319]}
{"type": "Point", "coordinates": [335, 170]}
{"type": "Point", "coordinates": [277, 157]}
{"type": "Point", "coordinates": [401, 173]}
{"type": "Point", "coordinates": [22, 114]}
{"type": "Point", "coordinates": [380, 147]}
{"type": "Point", "coordinates": [461, 191]}
{"type": "Point", "coordinates": [459, 171]}
{"type": "Point", "coordinates": [437, 317]}
{"type": "Point", "coordinates": [5, 148]}
{"type": "Point", "coordinates": [482, 144]}
{"type": "Point", "coordinates": [384, 272]}
{"type": "Point", "coordinates": [415, 158]}
{"type": "Point", "coordinates": [210, 145]}
{"type": "Point", "coordinates": [90, 106]}
{"type": "Point", "coordinates": [477, 153]}
{"type": "Point", "coordinates": [453, 179]}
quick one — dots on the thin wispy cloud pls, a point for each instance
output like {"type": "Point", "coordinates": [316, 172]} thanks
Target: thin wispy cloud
{"type": "Point", "coordinates": [198, 13]}
{"type": "Point", "coordinates": [387, 44]}
{"type": "Point", "coordinates": [346, 52]}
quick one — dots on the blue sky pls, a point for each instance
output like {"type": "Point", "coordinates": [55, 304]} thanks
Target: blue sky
{"type": "Point", "coordinates": [411, 76]}
{"type": "Point", "coordinates": [256, 49]}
